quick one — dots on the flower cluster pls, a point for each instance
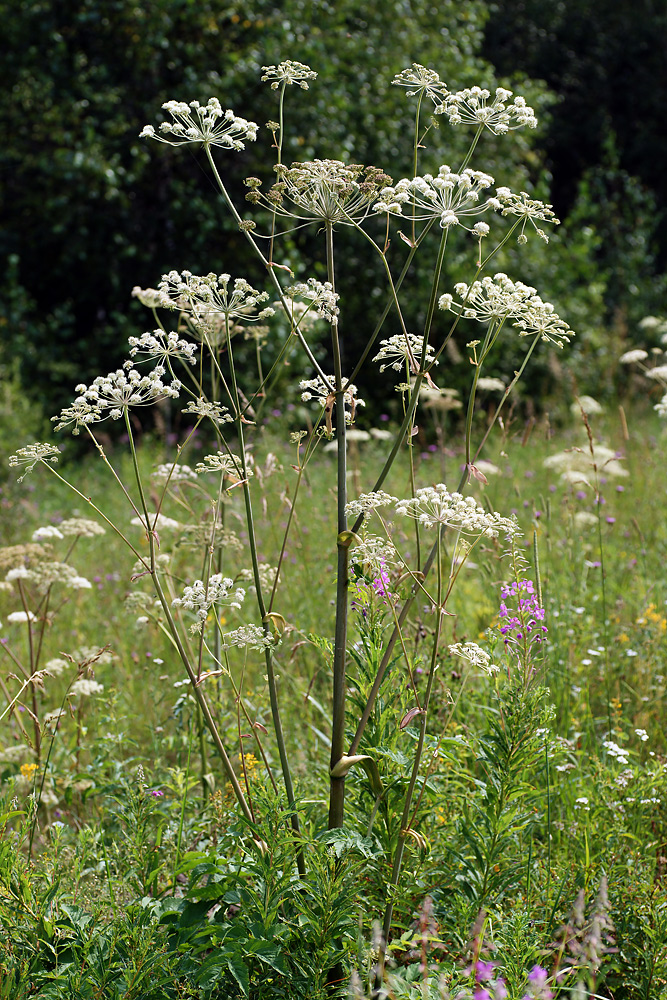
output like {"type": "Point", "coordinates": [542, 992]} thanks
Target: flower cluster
{"type": "Point", "coordinates": [228, 465]}
{"type": "Point", "coordinates": [288, 72]}
{"type": "Point", "coordinates": [82, 527]}
{"type": "Point", "coordinates": [495, 299]}
{"type": "Point", "coordinates": [250, 636]}
{"type": "Point", "coordinates": [321, 296]}
{"type": "Point", "coordinates": [372, 554]}
{"type": "Point", "coordinates": [112, 395]}
{"type": "Point", "coordinates": [526, 208]}
{"type": "Point", "coordinates": [368, 502]}
{"type": "Point", "coordinates": [32, 454]}
{"type": "Point", "coordinates": [402, 349]}
{"type": "Point", "coordinates": [448, 197]}
{"type": "Point", "coordinates": [213, 411]}
{"type": "Point", "coordinates": [474, 654]}
{"type": "Point", "coordinates": [200, 598]}
{"type": "Point", "coordinates": [321, 190]}
{"type": "Point", "coordinates": [523, 627]}
{"type": "Point", "coordinates": [471, 107]}
{"type": "Point", "coordinates": [158, 346]}
{"type": "Point", "coordinates": [489, 300]}
{"type": "Point", "coordinates": [578, 466]}
{"type": "Point", "coordinates": [324, 392]}
{"type": "Point", "coordinates": [434, 505]}
{"type": "Point", "coordinates": [213, 295]}
{"type": "Point", "coordinates": [421, 82]}
{"type": "Point", "coordinates": [206, 123]}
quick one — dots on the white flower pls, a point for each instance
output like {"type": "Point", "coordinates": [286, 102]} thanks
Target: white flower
{"type": "Point", "coordinates": [200, 598]}
{"type": "Point", "coordinates": [529, 209]}
{"type": "Point", "coordinates": [422, 81]}
{"type": "Point", "coordinates": [322, 190]}
{"type": "Point", "coordinates": [230, 465]}
{"type": "Point", "coordinates": [630, 357]}
{"type": "Point", "coordinates": [45, 533]}
{"type": "Point", "coordinates": [399, 349]}
{"type": "Point", "coordinates": [434, 505]}
{"type": "Point", "coordinates": [488, 384]}
{"type": "Point", "coordinates": [659, 373]}
{"type": "Point", "coordinates": [19, 617]}
{"type": "Point", "coordinates": [321, 295]}
{"type": "Point", "coordinates": [540, 318]}
{"type": "Point", "coordinates": [576, 465]}
{"type": "Point", "coordinates": [584, 519]}
{"type": "Point", "coordinates": [158, 346]}
{"type": "Point", "coordinates": [208, 124]}
{"type": "Point", "coordinates": [614, 750]}
{"type": "Point", "coordinates": [57, 665]}
{"type": "Point", "coordinates": [214, 411]}
{"type": "Point", "coordinates": [83, 527]}
{"type": "Point", "coordinates": [448, 197]}
{"type": "Point", "coordinates": [590, 406]}
{"type": "Point", "coordinates": [288, 72]}
{"type": "Point", "coordinates": [373, 553]}
{"type": "Point", "coordinates": [213, 294]}
{"type": "Point", "coordinates": [471, 107]}
{"type": "Point", "coordinates": [582, 803]}
{"type": "Point", "coordinates": [112, 395]}
{"type": "Point", "coordinates": [32, 454]}
{"type": "Point", "coordinates": [492, 299]}
{"type": "Point", "coordinates": [79, 583]}
{"type": "Point", "coordinates": [642, 734]}
{"type": "Point", "coordinates": [368, 502]}
{"type": "Point", "coordinates": [18, 573]}
{"type": "Point", "coordinates": [252, 636]}
{"type": "Point", "coordinates": [157, 522]}
{"type": "Point", "coordinates": [325, 394]}
{"type": "Point", "coordinates": [84, 688]}
{"type": "Point", "coordinates": [474, 654]}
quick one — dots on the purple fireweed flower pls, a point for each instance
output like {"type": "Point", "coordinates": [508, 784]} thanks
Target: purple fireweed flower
{"type": "Point", "coordinates": [483, 971]}
{"type": "Point", "coordinates": [482, 994]}
{"type": "Point", "coordinates": [381, 582]}
{"type": "Point", "coordinates": [522, 627]}
{"type": "Point", "coordinates": [537, 984]}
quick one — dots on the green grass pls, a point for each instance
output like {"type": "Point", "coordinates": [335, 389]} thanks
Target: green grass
{"type": "Point", "coordinates": [523, 807]}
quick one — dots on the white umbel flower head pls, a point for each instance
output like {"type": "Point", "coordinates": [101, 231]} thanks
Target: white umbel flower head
{"type": "Point", "coordinates": [368, 502]}
{"type": "Point", "coordinates": [449, 197]}
{"type": "Point", "coordinates": [158, 346]}
{"type": "Point", "coordinates": [435, 506]}
{"type": "Point", "coordinates": [200, 598]}
{"type": "Point", "coordinates": [471, 107]}
{"type": "Point", "coordinates": [321, 296]}
{"type": "Point", "coordinates": [422, 81]}
{"type": "Point", "coordinates": [489, 300]}
{"type": "Point", "coordinates": [526, 208]}
{"type": "Point", "coordinates": [632, 357]}
{"type": "Point", "coordinates": [474, 654]}
{"type": "Point", "coordinates": [324, 393]}
{"type": "Point", "coordinates": [84, 687]}
{"type": "Point", "coordinates": [32, 454]}
{"type": "Point", "coordinates": [402, 348]}
{"type": "Point", "coordinates": [250, 636]}
{"type": "Point", "coordinates": [206, 123]}
{"type": "Point", "coordinates": [83, 527]}
{"type": "Point", "coordinates": [321, 191]}
{"type": "Point", "coordinates": [47, 532]}
{"type": "Point", "coordinates": [213, 294]}
{"type": "Point", "coordinates": [288, 72]}
{"type": "Point", "coordinates": [113, 395]}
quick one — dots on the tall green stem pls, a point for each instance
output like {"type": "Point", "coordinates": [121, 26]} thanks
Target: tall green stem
{"type": "Point", "coordinates": [337, 785]}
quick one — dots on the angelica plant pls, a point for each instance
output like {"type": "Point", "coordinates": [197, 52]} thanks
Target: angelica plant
{"type": "Point", "coordinates": [188, 360]}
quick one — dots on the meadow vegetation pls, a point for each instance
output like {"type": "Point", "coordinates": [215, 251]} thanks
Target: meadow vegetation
{"type": "Point", "coordinates": [302, 698]}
